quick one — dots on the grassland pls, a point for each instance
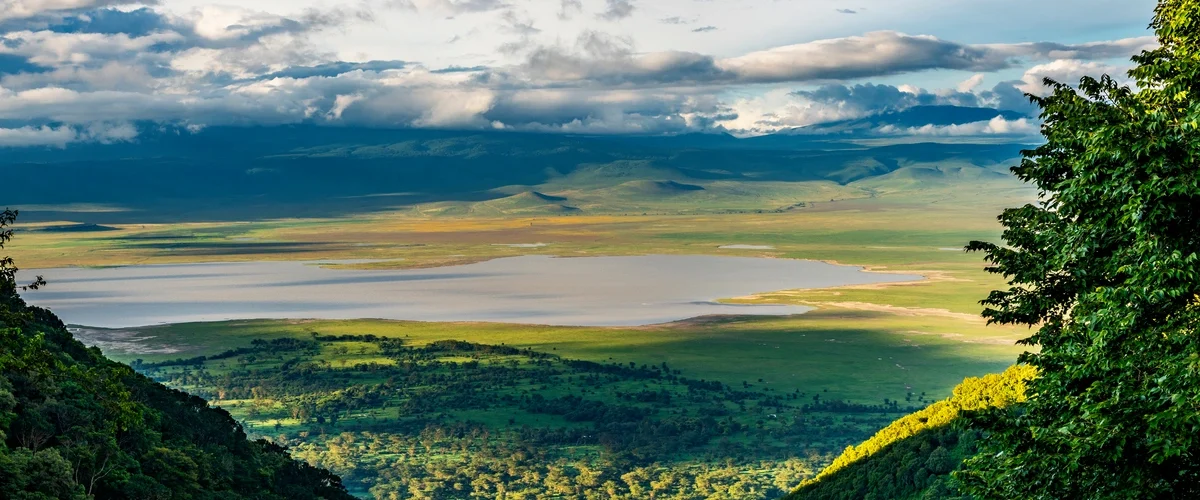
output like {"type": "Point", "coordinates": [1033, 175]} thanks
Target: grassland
{"type": "Point", "coordinates": [860, 356]}
{"type": "Point", "coordinates": [931, 329]}
{"type": "Point", "coordinates": [906, 344]}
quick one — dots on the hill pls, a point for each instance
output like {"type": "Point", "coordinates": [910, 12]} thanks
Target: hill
{"type": "Point", "coordinates": [76, 425]}
{"type": "Point", "coordinates": [916, 453]}
{"type": "Point", "coordinates": [523, 203]}
{"type": "Point", "coordinates": [932, 176]}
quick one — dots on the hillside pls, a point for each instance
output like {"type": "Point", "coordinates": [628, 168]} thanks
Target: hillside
{"type": "Point", "coordinates": [74, 424]}
{"type": "Point", "coordinates": [914, 456]}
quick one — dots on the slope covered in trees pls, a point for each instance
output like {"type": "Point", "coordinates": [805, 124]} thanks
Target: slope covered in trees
{"type": "Point", "coordinates": [1106, 268]}
{"type": "Point", "coordinates": [914, 456]}
{"type": "Point", "coordinates": [74, 424]}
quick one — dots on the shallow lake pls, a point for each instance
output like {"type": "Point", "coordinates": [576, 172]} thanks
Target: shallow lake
{"type": "Point", "coordinates": [591, 291]}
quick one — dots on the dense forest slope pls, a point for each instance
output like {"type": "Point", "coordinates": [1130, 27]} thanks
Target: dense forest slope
{"type": "Point", "coordinates": [74, 424]}
{"type": "Point", "coordinates": [914, 456]}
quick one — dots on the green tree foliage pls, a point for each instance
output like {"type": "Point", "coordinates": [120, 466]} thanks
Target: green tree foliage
{"type": "Point", "coordinates": [1106, 269]}
{"type": "Point", "coordinates": [74, 424]}
{"type": "Point", "coordinates": [915, 454]}
{"type": "Point", "coordinates": [429, 420]}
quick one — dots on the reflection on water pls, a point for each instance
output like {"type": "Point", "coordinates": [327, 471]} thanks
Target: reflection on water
{"type": "Point", "coordinates": [595, 291]}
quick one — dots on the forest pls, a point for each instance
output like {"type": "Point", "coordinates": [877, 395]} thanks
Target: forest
{"type": "Point", "coordinates": [454, 419]}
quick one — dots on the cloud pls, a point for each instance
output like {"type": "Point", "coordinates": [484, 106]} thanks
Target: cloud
{"type": "Point", "coordinates": [216, 26]}
{"type": "Point", "coordinates": [1012, 94]}
{"type": "Point", "coordinates": [460, 69]}
{"type": "Point", "coordinates": [971, 83]}
{"type": "Point", "coordinates": [22, 9]}
{"type": "Point", "coordinates": [74, 76]}
{"type": "Point", "coordinates": [780, 109]}
{"type": "Point", "coordinates": [139, 22]}
{"type": "Point", "coordinates": [569, 9]}
{"type": "Point", "coordinates": [876, 54]}
{"type": "Point", "coordinates": [62, 135]}
{"type": "Point", "coordinates": [616, 10]}
{"type": "Point", "coordinates": [863, 99]}
{"type": "Point", "coordinates": [334, 69]}
{"type": "Point", "coordinates": [111, 75]}
{"type": "Point", "coordinates": [879, 53]}
{"type": "Point", "coordinates": [652, 69]}
{"type": "Point", "coordinates": [606, 111]}
{"type": "Point", "coordinates": [1092, 50]}
{"type": "Point", "coordinates": [518, 25]}
{"type": "Point", "coordinates": [1068, 71]}
{"type": "Point", "coordinates": [452, 6]}
{"type": "Point", "coordinates": [1021, 127]}
{"type": "Point", "coordinates": [50, 49]}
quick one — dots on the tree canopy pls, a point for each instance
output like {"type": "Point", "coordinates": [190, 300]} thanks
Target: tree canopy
{"type": "Point", "coordinates": [1105, 268]}
{"type": "Point", "coordinates": [913, 457]}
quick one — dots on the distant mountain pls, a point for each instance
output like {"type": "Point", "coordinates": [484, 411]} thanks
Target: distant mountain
{"type": "Point", "coordinates": [932, 176]}
{"type": "Point", "coordinates": [231, 173]}
{"type": "Point", "coordinates": [914, 117]}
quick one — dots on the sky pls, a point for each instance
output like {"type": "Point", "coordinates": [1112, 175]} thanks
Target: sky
{"type": "Point", "coordinates": [100, 70]}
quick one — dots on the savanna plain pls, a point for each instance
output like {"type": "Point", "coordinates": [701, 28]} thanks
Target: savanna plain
{"type": "Point", "coordinates": [709, 407]}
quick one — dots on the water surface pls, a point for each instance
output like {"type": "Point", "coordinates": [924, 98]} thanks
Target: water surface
{"type": "Point", "coordinates": [591, 291]}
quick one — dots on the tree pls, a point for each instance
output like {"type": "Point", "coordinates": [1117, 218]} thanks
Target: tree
{"type": "Point", "coordinates": [1106, 269]}
{"type": "Point", "coordinates": [8, 269]}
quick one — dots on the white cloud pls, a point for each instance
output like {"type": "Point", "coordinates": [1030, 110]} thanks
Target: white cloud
{"type": "Point", "coordinates": [1021, 127]}
{"type": "Point", "coordinates": [49, 48]}
{"type": "Point", "coordinates": [198, 64]}
{"type": "Point", "coordinates": [1068, 71]}
{"type": "Point", "coordinates": [110, 75]}
{"type": "Point", "coordinates": [971, 83]}
{"type": "Point", "coordinates": [63, 135]}
{"type": "Point", "coordinates": [225, 22]}
{"type": "Point", "coordinates": [876, 54]}
{"type": "Point", "coordinates": [340, 103]}
{"type": "Point", "coordinates": [617, 9]}
{"type": "Point", "coordinates": [17, 9]}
